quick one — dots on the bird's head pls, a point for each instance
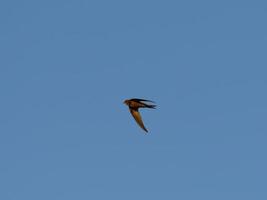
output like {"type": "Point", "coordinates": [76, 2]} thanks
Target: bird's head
{"type": "Point", "coordinates": [126, 102]}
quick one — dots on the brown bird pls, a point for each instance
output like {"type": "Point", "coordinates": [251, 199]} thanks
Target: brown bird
{"type": "Point", "coordinates": [134, 105]}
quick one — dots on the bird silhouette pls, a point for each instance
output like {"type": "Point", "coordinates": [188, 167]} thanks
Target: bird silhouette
{"type": "Point", "coordinates": [134, 105]}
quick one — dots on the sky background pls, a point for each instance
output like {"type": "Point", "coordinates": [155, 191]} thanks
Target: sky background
{"type": "Point", "coordinates": [67, 66]}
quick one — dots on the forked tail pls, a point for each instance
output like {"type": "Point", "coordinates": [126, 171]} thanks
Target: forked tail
{"type": "Point", "coordinates": [151, 106]}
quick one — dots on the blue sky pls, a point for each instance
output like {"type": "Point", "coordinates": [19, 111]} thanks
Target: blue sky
{"type": "Point", "coordinates": [67, 66]}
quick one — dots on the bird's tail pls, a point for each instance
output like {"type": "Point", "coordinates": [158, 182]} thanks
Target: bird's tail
{"type": "Point", "coordinates": [151, 106]}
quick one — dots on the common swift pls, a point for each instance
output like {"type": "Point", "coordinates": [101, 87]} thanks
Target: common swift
{"type": "Point", "coordinates": [134, 105]}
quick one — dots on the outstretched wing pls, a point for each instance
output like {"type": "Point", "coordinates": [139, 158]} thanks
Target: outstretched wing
{"type": "Point", "coordinates": [138, 119]}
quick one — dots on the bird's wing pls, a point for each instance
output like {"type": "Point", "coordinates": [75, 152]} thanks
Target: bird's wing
{"type": "Point", "coordinates": [142, 100]}
{"type": "Point", "coordinates": [138, 118]}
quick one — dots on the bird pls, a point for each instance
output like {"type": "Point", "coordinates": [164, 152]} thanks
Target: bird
{"type": "Point", "coordinates": [134, 105]}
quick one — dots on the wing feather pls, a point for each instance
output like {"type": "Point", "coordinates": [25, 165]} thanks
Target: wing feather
{"type": "Point", "coordinates": [138, 119]}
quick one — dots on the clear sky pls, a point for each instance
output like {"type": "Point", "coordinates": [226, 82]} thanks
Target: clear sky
{"type": "Point", "coordinates": [67, 66]}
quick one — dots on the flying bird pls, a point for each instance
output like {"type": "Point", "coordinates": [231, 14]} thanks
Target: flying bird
{"type": "Point", "coordinates": [134, 105]}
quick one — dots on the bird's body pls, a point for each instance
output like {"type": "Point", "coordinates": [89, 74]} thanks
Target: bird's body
{"type": "Point", "coordinates": [134, 105]}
